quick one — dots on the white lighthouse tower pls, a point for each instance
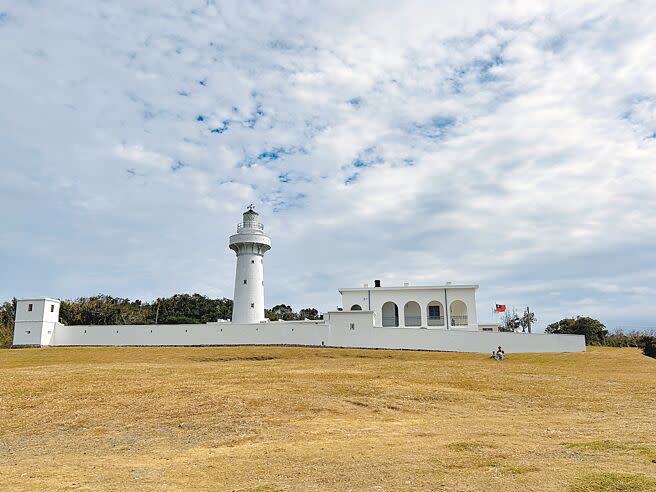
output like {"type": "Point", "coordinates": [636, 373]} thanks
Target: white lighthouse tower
{"type": "Point", "coordinates": [250, 243]}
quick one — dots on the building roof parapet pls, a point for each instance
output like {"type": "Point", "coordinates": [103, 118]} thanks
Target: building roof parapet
{"type": "Point", "coordinates": [410, 287]}
{"type": "Point", "coordinates": [38, 299]}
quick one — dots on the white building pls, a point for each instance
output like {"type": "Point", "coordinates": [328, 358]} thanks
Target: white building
{"type": "Point", "coordinates": [35, 321]}
{"type": "Point", "coordinates": [416, 306]}
{"type": "Point", "coordinates": [441, 317]}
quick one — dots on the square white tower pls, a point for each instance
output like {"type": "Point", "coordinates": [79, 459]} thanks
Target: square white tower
{"type": "Point", "coordinates": [35, 321]}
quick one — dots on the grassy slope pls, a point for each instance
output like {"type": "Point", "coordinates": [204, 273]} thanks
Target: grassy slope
{"type": "Point", "coordinates": [257, 418]}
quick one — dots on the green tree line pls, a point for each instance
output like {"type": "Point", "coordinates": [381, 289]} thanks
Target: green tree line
{"type": "Point", "coordinates": [180, 308]}
{"type": "Point", "coordinates": [596, 334]}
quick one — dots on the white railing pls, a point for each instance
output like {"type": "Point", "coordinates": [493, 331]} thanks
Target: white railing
{"type": "Point", "coordinates": [458, 320]}
{"type": "Point", "coordinates": [250, 225]}
{"type": "Point", "coordinates": [436, 321]}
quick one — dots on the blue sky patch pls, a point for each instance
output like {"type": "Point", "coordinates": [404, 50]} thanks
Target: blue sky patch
{"type": "Point", "coordinates": [221, 129]}
{"type": "Point", "coordinates": [274, 154]}
{"type": "Point", "coordinates": [177, 166]}
{"type": "Point", "coordinates": [259, 112]}
{"type": "Point", "coordinates": [435, 129]}
{"type": "Point", "coordinates": [268, 155]}
{"type": "Point", "coordinates": [356, 102]}
{"type": "Point", "coordinates": [367, 158]}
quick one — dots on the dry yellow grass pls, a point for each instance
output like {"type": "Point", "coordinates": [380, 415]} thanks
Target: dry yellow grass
{"type": "Point", "coordinates": [263, 418]}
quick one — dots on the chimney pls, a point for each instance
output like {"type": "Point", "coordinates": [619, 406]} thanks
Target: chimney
{"type": "Point", "coordinates": [376, 283]}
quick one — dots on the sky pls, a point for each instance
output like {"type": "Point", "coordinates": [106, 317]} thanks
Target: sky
{"type": "Point", "coordinates": [507, 144]}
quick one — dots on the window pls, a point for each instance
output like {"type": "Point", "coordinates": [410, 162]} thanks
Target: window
{"type": "Point", "coordinates": [352, 326]}
{"type": "Point", "coordinates": [28, 331]}
{"type": "Point", "coordinates": [245, 282]}
{"type": "Point", "coordinates": [252, 304]}
{"type": "Point", "coordinates": [29, 307]}
{"type": "Point", "coordinates": [52, 308]}
{"type": "Point", "coordinates": [434, 312]}
{"type": "Point", "coordinates": [253, 261]}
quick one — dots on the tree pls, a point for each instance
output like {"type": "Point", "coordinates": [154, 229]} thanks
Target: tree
{"type": "Point", "coordinates": [180, 308]}
{"type": "Point", "coordinates": [593, 330]}
{"type": "Point", "coordinates": [7, 315]}
{"type": "Point", "coordinates": [527, 320]}
{"type": "Point", "coordinates": [510, 322]}
{"type": "Point", "coordinates": [649, 348]}
{"type": "Point", "coordinates": [308, 313]}
{"type": "Point", "coordinates": [282, 311]}
{"type": "Point", "coordinates": [285, 312]}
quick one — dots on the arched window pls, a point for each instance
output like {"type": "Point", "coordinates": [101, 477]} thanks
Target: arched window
{"type": "Point", "coordinates": [412, 314]}
{"type": "Point", "coordinates": [435, 313]}
{"type": "Point", "coordinates": [390, 314]}
{"type": "Point", "coordinates": [356, 307]}
{"type": "Point", "coordinates": [458, 313]}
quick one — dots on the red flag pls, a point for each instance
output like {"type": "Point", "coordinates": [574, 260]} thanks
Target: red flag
{"type": "Point", "coordinates": [500, 308]}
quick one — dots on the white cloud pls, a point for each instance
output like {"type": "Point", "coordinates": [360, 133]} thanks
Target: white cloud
{"type": "Point", "coordinates": [136, 154]}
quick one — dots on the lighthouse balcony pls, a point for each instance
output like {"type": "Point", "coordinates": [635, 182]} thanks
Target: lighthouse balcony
{"type": "Point", "coordinates": [250, 225]}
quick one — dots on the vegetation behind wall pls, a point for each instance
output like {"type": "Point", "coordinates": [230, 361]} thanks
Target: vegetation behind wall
{"type": "Point", "coordinates": [596, 334]}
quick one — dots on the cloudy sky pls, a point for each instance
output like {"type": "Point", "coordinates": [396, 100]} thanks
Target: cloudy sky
{"type": "Point", "coordinates": [513, 146]}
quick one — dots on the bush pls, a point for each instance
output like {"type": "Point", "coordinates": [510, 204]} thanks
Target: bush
{"type": "Point", "coordinates": [649, 348]}
{"type": "Point", "coordinates": [646, 340]}
{"type": "Point", "coordinates": [629, 339]}
{"type": "Point", "coordinates": [6, 336]}
{"type": "Point", "coordinates": [593, 329]}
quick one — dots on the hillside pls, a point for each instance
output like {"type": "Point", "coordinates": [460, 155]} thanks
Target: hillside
{"type": "Point", "coordinates": [258, 418]}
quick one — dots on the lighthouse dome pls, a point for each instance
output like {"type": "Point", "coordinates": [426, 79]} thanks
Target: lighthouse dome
{"type": "Point", "coordinates": [250, 219]}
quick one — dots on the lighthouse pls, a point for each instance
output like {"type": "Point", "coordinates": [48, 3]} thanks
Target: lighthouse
{"type": "Point", "coordinates": [250, 243]}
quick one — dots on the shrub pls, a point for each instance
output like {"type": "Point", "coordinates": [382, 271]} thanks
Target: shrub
{"type": "Point", "coordinates": [649, 348]}
{"type": "Point", "coordinates": [6, 336]}
{"type": "Point", "coordinates": [593, 330]}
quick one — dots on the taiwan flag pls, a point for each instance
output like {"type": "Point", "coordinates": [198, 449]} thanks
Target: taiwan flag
{"type": "Point", "coordinates": [500, 308]}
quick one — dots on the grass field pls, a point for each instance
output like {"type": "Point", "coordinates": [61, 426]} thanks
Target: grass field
{"type": "Point", "coordinates": [260, 418]}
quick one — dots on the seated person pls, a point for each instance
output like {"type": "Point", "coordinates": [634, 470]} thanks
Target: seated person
{"type": "Point", "coordinates": [500, 353]}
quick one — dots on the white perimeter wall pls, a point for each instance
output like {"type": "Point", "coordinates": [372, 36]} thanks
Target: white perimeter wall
{"type": "Point", "coordinates": [340, 329]}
